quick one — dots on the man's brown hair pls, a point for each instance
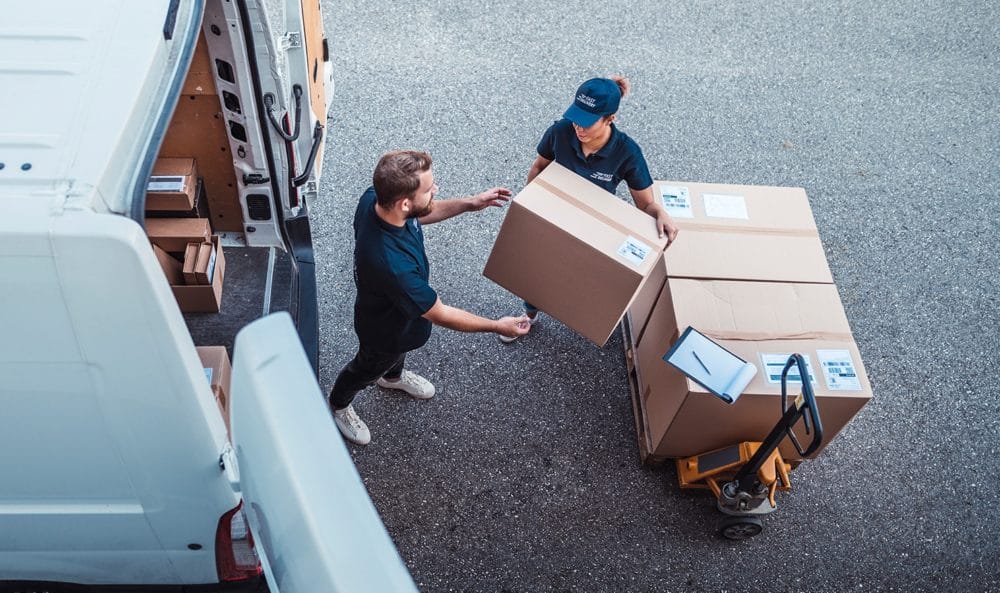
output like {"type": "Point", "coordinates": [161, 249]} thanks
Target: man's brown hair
{"type": "Point", "coordinates": [397, 175]}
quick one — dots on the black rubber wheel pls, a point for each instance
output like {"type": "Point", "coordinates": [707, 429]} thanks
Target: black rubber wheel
{"type": "Point", "coordinates": [740, 527]}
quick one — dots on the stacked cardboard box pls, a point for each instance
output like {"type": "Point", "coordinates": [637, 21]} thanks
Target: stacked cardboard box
{"type": "Point", "coordinates": [172, 188]}
{"type": "Point", "coordinates": [191, 257]}
{"type": "Point", "coordinates": [218, 371]}
{"type": "Point", "coordinates": [575, 251]}
{"type": "Point", "coordinates": [749, 271]}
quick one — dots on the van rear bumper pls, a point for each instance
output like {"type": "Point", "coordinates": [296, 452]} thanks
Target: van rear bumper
{"type": "Point", "coordinates": [258, 585]}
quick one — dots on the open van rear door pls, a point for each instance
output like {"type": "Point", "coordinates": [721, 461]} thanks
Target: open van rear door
{"type": "Point", "coordinates": [314, 526]}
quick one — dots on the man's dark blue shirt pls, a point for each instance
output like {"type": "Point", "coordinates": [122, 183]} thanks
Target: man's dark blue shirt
{"type": "Point", "coordinates": [391, 272]}
{"type": "Point", "coordinates": [619, 159]}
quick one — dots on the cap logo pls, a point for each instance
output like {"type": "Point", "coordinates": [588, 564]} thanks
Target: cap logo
{"type": "Point", "coordinates": [586, 100]}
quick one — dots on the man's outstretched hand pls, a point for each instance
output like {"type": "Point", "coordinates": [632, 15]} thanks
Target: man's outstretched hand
{"type": "Point", "coordinates": [498, 196]}
{"type": "Point", "coordinates": [513, 327]}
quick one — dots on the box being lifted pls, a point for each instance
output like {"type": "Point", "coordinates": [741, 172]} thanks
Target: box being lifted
{"type": "Point", "coordinates": [575, 251]}
{"type": "Point", "coordinates": [762, 323]}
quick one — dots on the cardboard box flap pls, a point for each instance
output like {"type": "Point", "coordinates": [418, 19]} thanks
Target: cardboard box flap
{"type": "Point", "coordinates": [611, 239]}
{"type": "Point", "coordinates": [602, 205]}
{"type": "Point", "coordinates": [723, 309]}
{"type": "Point", "coordinates": [747, 256]}
{"type": "Point", "coordinates": [716, 205]}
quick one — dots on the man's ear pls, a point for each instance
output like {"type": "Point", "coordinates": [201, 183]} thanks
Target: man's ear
{"type": "Point", "coordinates": [611, 118]}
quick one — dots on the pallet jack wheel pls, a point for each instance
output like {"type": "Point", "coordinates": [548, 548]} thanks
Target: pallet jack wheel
{"type": "Point", "coordinates": [740, 527]}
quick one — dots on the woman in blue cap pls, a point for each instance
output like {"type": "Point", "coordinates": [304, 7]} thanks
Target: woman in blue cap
{"type": "Point", "coordinates": [587, 141]}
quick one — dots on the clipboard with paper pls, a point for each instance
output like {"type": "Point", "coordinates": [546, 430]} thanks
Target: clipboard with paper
{"type": "Point", "coordinates": [710, 365]}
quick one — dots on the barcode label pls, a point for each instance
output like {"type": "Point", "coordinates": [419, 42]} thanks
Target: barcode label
{"type": "Point", "coordinates": [775, 363]}
{"type": "Point", "coordinates": [676, 201]}
{"type": "Point", "coordinates": [839, 371]}
{"type": "Point", "coordinates": [634, 251]}
{"type": "Point", "coordinates": [163, 183]}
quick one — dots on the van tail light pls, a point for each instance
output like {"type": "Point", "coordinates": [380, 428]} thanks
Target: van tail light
{"type": "Point", "coordinates": [235, 556]}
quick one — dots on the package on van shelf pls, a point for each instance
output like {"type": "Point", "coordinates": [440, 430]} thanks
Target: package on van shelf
{"type": "Point", "coordinates": [172, 185]}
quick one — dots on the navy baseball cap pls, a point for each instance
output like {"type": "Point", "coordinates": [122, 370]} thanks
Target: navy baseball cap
{"type": "Point", "coordinates": [594, 99]}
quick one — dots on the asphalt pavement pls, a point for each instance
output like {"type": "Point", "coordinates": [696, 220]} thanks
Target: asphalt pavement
{"type": "Point", "coordinates": [522, 474]}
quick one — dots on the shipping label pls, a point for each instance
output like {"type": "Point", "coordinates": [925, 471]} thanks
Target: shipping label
{"type": "Point", "coordinates": [676, 201]}
{"type": "Point", "coordinates": [164, 183]}
{"type": "Point", "coordinates": [838, 368]}
{"type": "Point", "coordinates": [634, 251]}
{"type": "Point", "coordinates": [775, 363]}
{"type": "Point", "coordinates": [726, 206]}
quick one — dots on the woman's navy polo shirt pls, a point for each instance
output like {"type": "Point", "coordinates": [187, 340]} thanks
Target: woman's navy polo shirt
{"type": "Point", "coordinates": [619, 159]}
{"type": "Point", "coordinates": [391, 272]}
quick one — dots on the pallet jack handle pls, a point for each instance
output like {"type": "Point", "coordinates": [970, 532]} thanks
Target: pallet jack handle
{"type": "Point", "coordinates": [803, 407]}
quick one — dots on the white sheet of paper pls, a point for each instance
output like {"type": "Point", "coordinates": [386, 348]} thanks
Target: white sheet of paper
{"type": "Point", "coordinates": [838, 368]}
{"type": "Point", "coordinates": [774, 363]}
{"type": "Point", "coordinates": [718, 370]}
{"type": "Point", "coordinates": [726, 206]}
{"type": "Point", "coordinates": [676, 201]}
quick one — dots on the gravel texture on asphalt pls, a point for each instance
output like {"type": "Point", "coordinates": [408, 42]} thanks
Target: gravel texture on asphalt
{"type": "Point", "coordinates": [522, 474]}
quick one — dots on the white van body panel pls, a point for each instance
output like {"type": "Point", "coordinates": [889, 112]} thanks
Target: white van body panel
{"type": "Point", "coordinates": [83, 82]}
{"type": "Point", "coordinates": [101, 388]}
{"type": "Point", "coordinates": [314, 525]}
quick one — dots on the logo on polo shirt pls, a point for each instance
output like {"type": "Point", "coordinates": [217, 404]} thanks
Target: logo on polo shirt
{"type": "Point", "coordinates": [601, 176]}
{"type": "Point", "coordinates": [586, 100]}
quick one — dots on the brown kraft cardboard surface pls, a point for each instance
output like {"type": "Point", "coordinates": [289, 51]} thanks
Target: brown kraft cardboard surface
{"type": "Point", "coordinates": [761, 322]}
{"type": "Point", "coordinates": [575, 251]}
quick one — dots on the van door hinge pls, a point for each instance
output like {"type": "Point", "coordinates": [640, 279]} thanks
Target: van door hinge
{"type": "Point", "coordinates": [291, 39]}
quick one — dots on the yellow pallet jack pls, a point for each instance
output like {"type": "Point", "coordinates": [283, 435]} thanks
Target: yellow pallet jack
{"type": "Point", "coordinates": [745, 475]}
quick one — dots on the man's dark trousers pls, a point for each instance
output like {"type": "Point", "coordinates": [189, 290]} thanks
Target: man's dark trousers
{"type": "Point", "coordinates": [365, 368]}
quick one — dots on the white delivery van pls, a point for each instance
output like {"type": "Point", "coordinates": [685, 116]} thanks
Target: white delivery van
{"type": "Point", "coordinates": [117, 471]}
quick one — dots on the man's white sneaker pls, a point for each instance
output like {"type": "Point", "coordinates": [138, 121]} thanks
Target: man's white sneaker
{"type": "Point", "coordinates": [531, 321]}
{"type": "Point", "coordinates": [351, 426]}
{"type": "Point", "coordinates": [413, 384]}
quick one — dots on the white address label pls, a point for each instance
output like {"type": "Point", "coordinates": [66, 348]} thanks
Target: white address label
{"type": "Point", "coordinates": [775, 363]}
{"type": "Point", "coordinates": [634, 251]}
{"type": "Point", "coordinates": [726, 206]}
{"type": "Point", "coordinates": [676, 201]}
{"type": "Point", "coordinates": [839, 371]}
{"type": "Point", "coordinates": [158, 183]}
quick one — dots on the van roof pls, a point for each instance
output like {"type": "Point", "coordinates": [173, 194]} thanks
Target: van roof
{"type": "Point", "coordinates": [84, 88]}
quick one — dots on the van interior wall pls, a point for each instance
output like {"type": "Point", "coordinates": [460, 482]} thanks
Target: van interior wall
{"type": "Point", "coordinates": [198, 130]}
{"type": "Point", "coordinates": [312, 18]}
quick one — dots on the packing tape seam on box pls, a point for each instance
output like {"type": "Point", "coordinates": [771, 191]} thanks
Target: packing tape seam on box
{"type": "Point", "coordinates": [768, 336]}
{"type": "Point", "coordinates": [594, 212]}
{"type": "Point", "coordinates": [748, 230]}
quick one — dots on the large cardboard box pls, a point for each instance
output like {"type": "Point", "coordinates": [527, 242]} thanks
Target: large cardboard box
{"type": "Point", "coordinates": [762, 322]}
{"type": "Point", "coordinates": [742, 232]}
{"type": "Point", "coordinates": [204, 298]}
{"type": "Point", "coordinates": [575, 251]}
{"type": "Point", "coordinates": [172, 185]}
{"type": "Point", "coordinates": [215, 360]}
{"type": "Point", "coordinates": [173, 234]}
